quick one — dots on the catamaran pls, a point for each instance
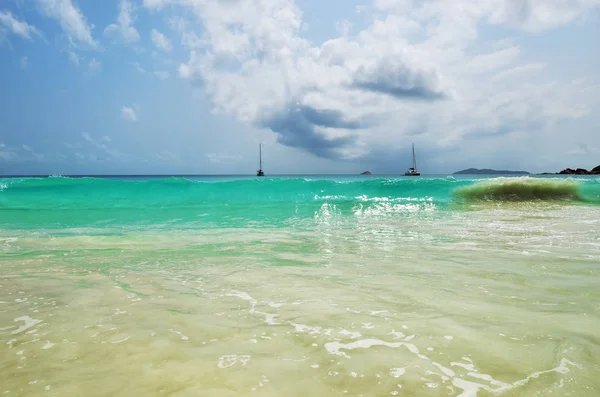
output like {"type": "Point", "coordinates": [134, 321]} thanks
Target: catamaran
{"type": "Point", "coordinates": [413, 170]}
{"type": "Point", "coordinates": [260, 171]}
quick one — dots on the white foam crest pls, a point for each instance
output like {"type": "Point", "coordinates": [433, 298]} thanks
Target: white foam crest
{"type": "Point", "coordinates": [397, 372]}
{"type": "Point", "coordinates": [335, 347]}
{"type": "Point", "coordinates": [470, 388]}
{"type": "Point", "coordinates": [244, 296]}
{"type": "Point", "coordinates": [29, 322]}
{"type": "Point", "coordinates": [269, 317]}
{"type": "Point", "coordinates": [229, 360]}
{"type": "Point", "coordinates": [350, 334]}
{"type": "Point", "coordinates": [446, 371]}
{"type": "Point", "coordinates": [48, 345]}
{"type": "Point", "coordinates": [309, 329]}
{"type": "Point", "coordinates": [181, 335]}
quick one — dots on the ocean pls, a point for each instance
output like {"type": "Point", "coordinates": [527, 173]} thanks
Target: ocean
{"type": "Point", "coordinates": [296, 286]}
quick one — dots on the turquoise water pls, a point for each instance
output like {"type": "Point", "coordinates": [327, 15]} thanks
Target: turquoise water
{"type": "Point", "coordinates": [286, 286]}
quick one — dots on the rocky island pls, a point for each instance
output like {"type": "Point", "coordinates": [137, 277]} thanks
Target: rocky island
{"type": "Point", "coordinates": [486, 171]}
{"type": "Point", "coordinates": [366, 173]}
{"type": "Point", "coordinates": [577, 171]}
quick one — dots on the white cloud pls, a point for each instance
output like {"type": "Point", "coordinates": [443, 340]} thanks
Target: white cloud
{"type": "Point", "coordinates": [17, 27]}
{"type": "Point", "coordinates": [35, 155]}
{"type": "Point", "coordinates": [189, 37]}
{"type": "Point", "coordinates": [161, 74]}
{"type": "Point", "coordinates": [139, 68]}
{"type": "Point", "coordinates": [216, 158]}
{"type": "Point", "coordinates": [7, 154]}
{"type": "Point", "coordinates": [129, 113]}
{"type": "Point", "coordinates": [168, 157]}
{"type": "Point", "coordinates": [74, 58]}
{"type": "Point", "coordinates": [95, 65]}
{"type": "Point", "coordinates": [370, 90]}
{"type": "Point", "coordinates": [106, 151]}
{"type": "Point", "coordinates": [160, 41]}
{"type": "Point", "coordinates": [124, 25]}
{"type": "Point", "coordinates": [71, 20]}
{"type": "Point", "coordinates": [73, 145]}
{"type": "Point", "coordinates": [24, 63]}
{"type": "Point", "coordinates": [94, 142]}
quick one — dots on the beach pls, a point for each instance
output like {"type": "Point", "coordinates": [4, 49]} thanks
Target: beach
{"type": "Point", "coordinates": [294, 286]}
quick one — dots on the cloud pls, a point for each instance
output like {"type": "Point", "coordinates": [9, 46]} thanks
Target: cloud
{"type": "Point", "coordinates": [375, 88]}
{"type": "Point", "coordinates": [24, 63]}
{"type": "Point", "coordinates": [106, 151]}
{"type": "Point", "coordinates": [95, 65]}
{"type": "Point", "coordinates": [216, 158]}
{"type": "Point", "coordinates": [139, 68]}
{"type": "Point", "coordinates": [35, 155]}
{"type": "Point", "coordinates": [74, 58]}
{"type": "Point", "coordinates": [168, 157]}
{"type": "Point", "coordinates": [299, 127]}
{"type": "Point", "coordinates": [397, 80]}
{"type": "Point", "coordinates": [129, 113]}
{"type": "Point", "coordinates": [189, 37]}
{"type": "Point", "coordinates": [71, 20]}
{"type": "Point", "coordinates": [73, 145]}
{"type": "Point", "coordinates": [124, 26]}
{"type": "Point", "coordinates": [536, 16]}
{"type": "Point", "coordinates": [162, 75]}
{"type": "Point", "coordinates": [7, 154]}
{"type": "Point", "coordinates": [19, 28]}
{"type": "Point", "coordinates": [160, 41]}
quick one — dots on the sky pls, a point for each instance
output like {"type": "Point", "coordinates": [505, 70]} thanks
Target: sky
{"type": "Point", "coordinates": [336, 86]}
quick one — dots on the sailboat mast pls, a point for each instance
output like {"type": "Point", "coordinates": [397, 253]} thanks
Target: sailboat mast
{"type": "Point", "coordinates": [414, 158]}
{"type": "Point", "coordinates": [260, 156]}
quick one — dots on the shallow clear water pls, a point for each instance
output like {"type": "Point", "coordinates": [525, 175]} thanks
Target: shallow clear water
{"type": "Point", "coordinates": [294, 287]}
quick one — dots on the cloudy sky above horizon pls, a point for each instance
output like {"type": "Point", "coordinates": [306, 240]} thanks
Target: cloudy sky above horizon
{"type": "Point", "coordinates": [339, 86]}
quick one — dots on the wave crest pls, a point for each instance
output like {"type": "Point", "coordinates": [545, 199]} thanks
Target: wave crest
{"type": "Point", "coordinates": [520, 189]}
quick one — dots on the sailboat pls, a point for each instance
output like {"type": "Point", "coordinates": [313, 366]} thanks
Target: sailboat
{"type": "Point", "coordinates": [260, 171]}
{"type": "Point", "coordinates": [413, 170]}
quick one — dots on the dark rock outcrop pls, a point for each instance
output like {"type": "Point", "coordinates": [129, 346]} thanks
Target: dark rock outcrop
{"type": "Point", "coordinates": [579, 171]}
{"type": "Point", "coordinates": [366, 173]}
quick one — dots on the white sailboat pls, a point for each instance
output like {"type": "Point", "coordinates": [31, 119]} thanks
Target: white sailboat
{"type": "Point", "coordinates": [413, 170]}
{"type": "Point", "coordinates": [260, 171]}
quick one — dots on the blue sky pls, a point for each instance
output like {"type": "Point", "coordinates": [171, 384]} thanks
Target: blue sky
{"type": "Point", "coordinates": [192, 86]}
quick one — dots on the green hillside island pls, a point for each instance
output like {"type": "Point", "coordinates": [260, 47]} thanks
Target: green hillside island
{"type": "Point", "coordinates": [486, 171]}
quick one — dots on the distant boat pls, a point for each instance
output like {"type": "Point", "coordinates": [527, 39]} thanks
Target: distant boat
{"type": "Point", "coordinates": [413, 170]}
{"type": "Point", "coordinates": [260, 171]}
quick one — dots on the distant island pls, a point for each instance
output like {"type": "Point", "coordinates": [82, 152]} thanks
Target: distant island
{"type": "Point", "coordinates": [577, 171]}
{"type": "Point", "coordinates": [486, 171]}
{"type": "Point", "coordinates": [366, 173]}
